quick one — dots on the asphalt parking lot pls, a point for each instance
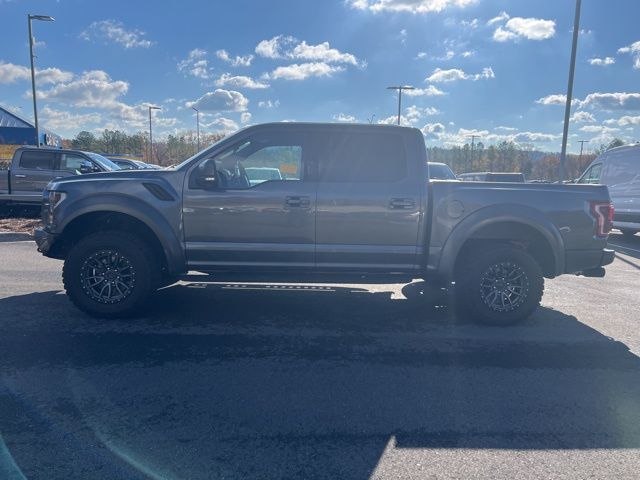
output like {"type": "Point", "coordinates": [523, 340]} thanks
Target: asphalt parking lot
{"type": "Point", "coordinates": [266, 381]}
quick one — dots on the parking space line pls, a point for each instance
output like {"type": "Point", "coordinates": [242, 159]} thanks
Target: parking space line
{"type": "Point", "coordinates": [622, 246]}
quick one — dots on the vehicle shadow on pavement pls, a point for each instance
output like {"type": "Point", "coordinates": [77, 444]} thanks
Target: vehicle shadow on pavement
{"type": "Point", "coordinates": [246, 381]}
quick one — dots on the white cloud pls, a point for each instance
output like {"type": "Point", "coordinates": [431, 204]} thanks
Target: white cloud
{"type": "Point", "coordinates": [63, 120]}
{"type": "Point", "coordinates": [554, 99]}
{"type": "Point", "coordinates": [237, 61]}
{"type": "Point", "coordinates": [602, 61]}
{"type": "Point", "coordinates": [92, 89]}
{"type": "Point", "coordinates": [393, 120]}
{"type": "Point", "coordinates": [433, 131]}
{"type": "Point", "coordinates": [11, 73]}
{"type": "Point", "coordinates": [624, 121]}
{"type": "Point", "coordinates": [220, 100]}
{"type": "Point", "coordinates": [582, 117]}
{"type": "Point", "coordinates": [499, 19]}
{"type": "Point", "coordinates": [222, 124]}
{"type": "Point", "coordinates": [245, 117]}
{"type": "Point", "coordinates": [269, 103]}
{"type": "Point", "coordinates": [634, 50]}
{"type": "Point", "coordinates": [343, 117]}
{"type": "Point", "coordinates": [470, 24]}
{"type": "Point", "coordinates": [506, 129]}
{"type": "Point", "coordinates": [239, 81]}
{"type": "Point", "coordinates": [305, 70]}
{"type": "Point", "coordinates": [195, 64]}
{"type": "Point", "coordinates": [430, 91]}
{"type": "Point", "coordinates": [529, 28]}
{"type": "Point", "coordinates": [612, 101]}
{"type": "Point", "coordinates": [322, 53]}
{"type": "Point", "coordinates": [114, 31]}
{"type": "Point", "coordinates": [274, 48]}
{"type": "Point", "coordinates": [414, 113]}
{"type": "Point", "coordinates": [287, 47]}
{"type": "Point", "coordinates": [534, 137]}
{"type": "Point", "coordinates": [439, 75]}
{"type": "Point", "coordinates": [601, 129]}
{"type": "Point", "coordinates": [409, 6]}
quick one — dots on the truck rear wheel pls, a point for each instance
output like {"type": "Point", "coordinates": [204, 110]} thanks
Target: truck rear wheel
{"type": "Point", "coordinates": [501, 286]}
{"type": "Point", "coordinates": [109, 274]}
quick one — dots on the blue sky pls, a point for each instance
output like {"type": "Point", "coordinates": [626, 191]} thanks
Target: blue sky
{"type": "Point", "coordinates": [497, 68]}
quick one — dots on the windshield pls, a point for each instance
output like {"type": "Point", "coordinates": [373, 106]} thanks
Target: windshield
{"type": "Point", "coordinates": [104, 162]}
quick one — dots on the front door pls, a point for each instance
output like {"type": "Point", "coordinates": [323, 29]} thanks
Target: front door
{"type": "Point", "coordinates": [260, 212]}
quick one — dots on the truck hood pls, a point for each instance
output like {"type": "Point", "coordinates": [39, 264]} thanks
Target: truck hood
{"type": "Point", "coordinates": [140, 175]}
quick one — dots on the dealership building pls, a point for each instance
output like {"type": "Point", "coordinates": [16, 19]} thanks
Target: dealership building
{"type": "Point", "coordinates": [16, 131]}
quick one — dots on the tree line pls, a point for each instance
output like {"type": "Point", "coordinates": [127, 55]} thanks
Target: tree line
{"type": "Point", "coordinates": [166, 151]}
{"type": "Point", "coordinates": [502, 157]}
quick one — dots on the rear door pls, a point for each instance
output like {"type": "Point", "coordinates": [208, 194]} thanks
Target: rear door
{"type": "Point", "coordinates": [369, 196]}
{"type": "Point", "coordinates": [33, 172]}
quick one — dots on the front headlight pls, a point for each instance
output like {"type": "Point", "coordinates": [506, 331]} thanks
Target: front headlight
{"type": "Point", "coordinates": [51, 199]}
{"type": "Point", "coordinates": [55, 197]}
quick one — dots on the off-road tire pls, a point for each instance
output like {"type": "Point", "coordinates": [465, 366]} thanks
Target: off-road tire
{"type": "Point", "coordinates": [483, 294]}
{"type": "Point", "coordinates": [135, 255]}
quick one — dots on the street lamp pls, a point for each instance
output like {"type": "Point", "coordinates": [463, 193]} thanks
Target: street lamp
{"type": "Point", "coordinates": [400, 88]}
{"type": "Point", "coordinates": [43, 18]}
{"type": "Point", "coordinates": [151, 107]}
{"type": "Point", "coordinates": [197, 125]}
{"type": "Point", "coordinates": [567, 108]}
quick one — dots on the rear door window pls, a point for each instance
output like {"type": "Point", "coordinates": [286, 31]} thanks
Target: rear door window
{"type": "Point", "coordinates": [34, 160]}
{"type": "Point", "coordinates": [363, 158]}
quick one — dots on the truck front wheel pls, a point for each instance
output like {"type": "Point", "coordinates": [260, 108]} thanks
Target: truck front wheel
{"type": "Point", "coordinates": [108, 274]}
{"type": "Point", "coordinates": [501, 286]}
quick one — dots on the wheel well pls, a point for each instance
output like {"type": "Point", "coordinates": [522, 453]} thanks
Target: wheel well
{"type": "Point", "coordinates": [101, 221]}
{"type": "Point", "coordinates": [514, 234]}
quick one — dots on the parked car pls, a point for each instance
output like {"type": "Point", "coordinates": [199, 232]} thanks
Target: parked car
{"type": "Point", "coordinates": [440, 171]}
{"type": "Point", "coordinates": [619, 169]}
{"type": "Point", "coordinates": [33, 168]}
{"type": "Point", "coordinates": [355, 207]}
{"type": "Point", "coordinates": [129, 164]}
{"type": "Point", "coordinates": [492, 177]}
{"type": "Point", "coordinates": [258, 175]}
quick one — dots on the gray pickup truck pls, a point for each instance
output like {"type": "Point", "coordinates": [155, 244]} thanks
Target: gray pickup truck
{"type": "Point", "coordinates": [33, 168]}
{"type": "Point", "coordinates": [352, 205]}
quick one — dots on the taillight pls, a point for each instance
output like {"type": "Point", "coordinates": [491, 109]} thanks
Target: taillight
{"type": "Point", "coordinates": [603, 214]}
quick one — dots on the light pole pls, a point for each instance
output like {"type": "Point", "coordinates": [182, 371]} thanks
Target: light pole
{"type": "Point", "coordinates": [400, 88]}
{"type": "Point", "coordinates": [567, 108]}
{"type": "Point", "coordinates": [151, 107]}
{"type": "Point", "coordinates": [197, 125]}
{"type": "Point", "coordinates": [43, 18]}
{"type": "Point", "coordinates": [473, 144]}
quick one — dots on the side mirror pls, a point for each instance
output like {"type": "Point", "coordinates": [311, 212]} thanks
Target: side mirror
{"type": "Point", "coordinates": [206, 175]}
{"type": "Point", "coordinates": [86, 167]}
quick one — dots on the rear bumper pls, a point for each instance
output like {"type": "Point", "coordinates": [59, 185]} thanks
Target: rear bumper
{"type": "Point", "coordinates": [577, 261]}
{"type": "Point", "coordinates": [44, 240]}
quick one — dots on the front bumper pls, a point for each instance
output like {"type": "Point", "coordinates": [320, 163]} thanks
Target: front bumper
{"type": "Point", "coordinates": [44, 240]}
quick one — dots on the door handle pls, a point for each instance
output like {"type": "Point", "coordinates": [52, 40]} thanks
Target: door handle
{"type": "Point", "coordinates": [402, 204]}
{"type": "Point", "coordinates": [18, 175]}
{"type": "Point", "coordinates": [297, 201]}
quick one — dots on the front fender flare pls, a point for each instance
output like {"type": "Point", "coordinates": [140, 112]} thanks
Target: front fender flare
{"type": "Point", "coordinates": [166, 234]}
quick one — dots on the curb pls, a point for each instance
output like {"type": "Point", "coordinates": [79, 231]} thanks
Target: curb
{"type": "Point", "coordinates": [15, 237]}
